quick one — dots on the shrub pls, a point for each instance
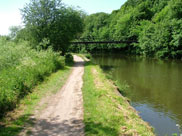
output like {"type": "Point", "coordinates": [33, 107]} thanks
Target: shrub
{"type": "Point", "coordinates": [69, 59]}
{"type": "Point", "coordinates": [88, 56]}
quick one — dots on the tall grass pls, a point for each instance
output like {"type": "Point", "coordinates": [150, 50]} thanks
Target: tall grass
{"type": "Point", "coordinates": [21, 68]}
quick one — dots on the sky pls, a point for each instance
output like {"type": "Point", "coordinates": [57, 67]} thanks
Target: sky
{"type": "Point", "coordinates": [10, 14]}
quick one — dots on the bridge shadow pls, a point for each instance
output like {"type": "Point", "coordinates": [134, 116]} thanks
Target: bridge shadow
{"type": "Point", "coordinates": [82, 63]}
{"type": "Point", "coordinates": [79, 64]}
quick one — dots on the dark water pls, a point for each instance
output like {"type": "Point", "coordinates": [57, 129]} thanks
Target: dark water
{"type": "Point", "coordinates": [155, 88]}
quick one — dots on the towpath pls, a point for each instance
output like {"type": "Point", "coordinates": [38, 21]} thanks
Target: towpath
{"type": "Point", "coordinates": [63, 115]}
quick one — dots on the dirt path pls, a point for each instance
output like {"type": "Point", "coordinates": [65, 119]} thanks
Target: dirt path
{"type": "Point", "coordinates": [64, 113]}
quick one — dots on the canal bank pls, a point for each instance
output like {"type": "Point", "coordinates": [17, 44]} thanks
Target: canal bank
{"type": "Point", "coordinates": [105, 111]}
{"type": "Point", "coordinates": [153, 87]}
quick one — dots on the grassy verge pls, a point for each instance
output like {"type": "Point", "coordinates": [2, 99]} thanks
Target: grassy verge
{"type": "Point", "coordinates": [105, 112]}
{"type": "Point", "coordinates": [15, 121]}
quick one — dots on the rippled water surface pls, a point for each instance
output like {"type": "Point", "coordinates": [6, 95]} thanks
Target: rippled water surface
{"type": "Point", "coordinates": [155, 88]}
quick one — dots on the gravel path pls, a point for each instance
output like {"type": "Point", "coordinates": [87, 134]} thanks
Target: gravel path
{"type": "Point", "coordinates": [64, 113]}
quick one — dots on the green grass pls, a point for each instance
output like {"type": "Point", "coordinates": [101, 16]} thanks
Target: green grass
{"type": "Point", "coordinates": [14, 122]}
{"type": "Point", "coordinates": [21, 69]}
{"type": "Point", "coordinates": [105, 112]}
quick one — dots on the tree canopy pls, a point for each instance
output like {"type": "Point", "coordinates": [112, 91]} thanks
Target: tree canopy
{"type": "Point", "coordinates": [155, 25]}
{"type": "Point", "coordinates": [52, 21]}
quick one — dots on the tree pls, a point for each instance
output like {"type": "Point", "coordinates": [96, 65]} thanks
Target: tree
{"type": "Point", "coordinates": [155, 25]}
{"type": "Point", "coordinates": [51, 20]}
{"type": "Point", "coordinates": [176, 10]}
{"type": "Point", "coordinates": [14, 31]}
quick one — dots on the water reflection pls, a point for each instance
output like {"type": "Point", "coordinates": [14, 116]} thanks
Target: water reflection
{"type": "Point", "coordinates": [155, 88]}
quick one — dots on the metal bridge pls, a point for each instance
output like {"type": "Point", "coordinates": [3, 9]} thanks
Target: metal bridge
{"type": "Point", "coordinates": [101, 42]}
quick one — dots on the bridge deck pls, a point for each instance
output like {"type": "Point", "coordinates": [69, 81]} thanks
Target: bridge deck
{"type": "Point", "coordinates": [102, 42]}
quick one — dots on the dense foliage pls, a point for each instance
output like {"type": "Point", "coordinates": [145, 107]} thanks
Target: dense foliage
{"type": "Point", "coordinates": [52, 22]}
{"type": "Point", "coordinates": [155, 25]}
{"type": "Point", "coordinates": [21, 68]}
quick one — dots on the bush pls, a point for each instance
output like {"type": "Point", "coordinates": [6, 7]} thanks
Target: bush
{"type": "Point", "coordinates": [88, 56]}
{"type": "Point", "coordinates": [69, 59]}
{"type": "Point", "coordinates": [21, 68]}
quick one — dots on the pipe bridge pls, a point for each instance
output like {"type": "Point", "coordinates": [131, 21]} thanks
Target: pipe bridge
{"type": "Point", "coordinates": [101, 42]}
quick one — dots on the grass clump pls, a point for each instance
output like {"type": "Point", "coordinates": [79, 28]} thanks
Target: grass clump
{"type": "Point", "coordinates": [21, 68]}
{"type": "Point", "coordinates": [105, 112]}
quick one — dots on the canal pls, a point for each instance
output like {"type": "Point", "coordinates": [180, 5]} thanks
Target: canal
{"type": "Point", "coordinates": [155, 88]}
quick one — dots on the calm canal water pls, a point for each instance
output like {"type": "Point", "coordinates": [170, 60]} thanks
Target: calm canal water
{"type": "Point", "coordinates": [155, 88]}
